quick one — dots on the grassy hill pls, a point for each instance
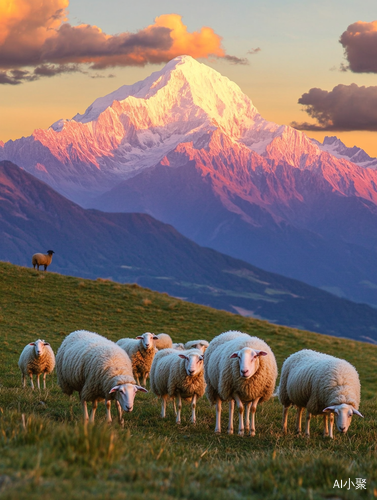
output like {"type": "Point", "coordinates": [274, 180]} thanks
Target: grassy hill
{"type": "Point", "coordinates": [53, 454]}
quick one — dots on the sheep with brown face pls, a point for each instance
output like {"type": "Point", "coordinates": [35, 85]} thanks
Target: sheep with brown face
{"type": "Point", "coordinates": [41, 259]}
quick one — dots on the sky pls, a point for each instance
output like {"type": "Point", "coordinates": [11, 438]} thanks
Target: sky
{"type": "Point", "coordinates": [311, 64]}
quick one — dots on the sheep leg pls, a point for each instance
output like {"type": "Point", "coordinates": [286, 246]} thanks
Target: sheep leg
{"type": "Point", "coordinates": [247, 417]}
{"type": "Point", "coordinates": [108, 411]}
{"type": "Point", "coordinates": [218, 416]}
{"type": "Point", "coordinates": [163, 406]}
{"type": "Point", "coordinates": [325, 425]}
{"type": "Point", "coordinates": [331, 430]}
{"type": "Point", "coordinates": [231, 416]}
{"type": "Point", "coordinates": [31, 381]}
{"type": "Point", "coordinates": [94, 408]}
{"type": "Point", "coordinates": [23, 380]}
{"type": "Point", "coordinates": [120, 413]}
{"type": "Point", "coordinates": [193, 407]}
{"type": "Point", "coordinates": [240, 414]}
{"type": "Point", "coordinates": [179, 405]}
{"type": "Point", "coordinates": [285, 419]}
{"type": "Point", "coordinates": [308, 417]}
{"type": "Point", "coordinates": [175, 408]}
{"type": "Point", "coordinates": [38, 384]}
{"type": "Point", "coordinates": [85, 410]}
{"type": "Point", "coordinates": [144, 381]}
{"type": "Point", "coordinates": [298, 419]}
{"type": "Point", "coordinates": [253, 412]}
{"type": "Point", "coordinates": [44, 380]}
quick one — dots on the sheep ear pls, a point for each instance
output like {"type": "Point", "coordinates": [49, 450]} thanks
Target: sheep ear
{"type": "Point", "coordinates": [356, 412]}
{"type": "Point", "coordinates": [114, 389]}
{"type": "Point", "coordinates": [32, 343]}
{"type": "Point", "coordinates": [139, 388]}
{"type": "Point", "coordinates": [46, 343]}
{"type": "Point", "coordinates": [155, 337]}
{"type": "Point", "coordinates": [329, 409]}
{"type": "Point", "coordinates": [182, 356]}
{"type": "Point", "coordinates": [262, 353]}
{"type": "Point", "coordinates": [140, 337]}
{"type": "Point", "coordinates": [234, 355]}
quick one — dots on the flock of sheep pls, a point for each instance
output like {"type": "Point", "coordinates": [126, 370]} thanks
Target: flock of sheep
{"type": "Point", "coordinates": [234, 367]}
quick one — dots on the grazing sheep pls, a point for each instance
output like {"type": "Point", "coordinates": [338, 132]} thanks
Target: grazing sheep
{"type": "Point", "coordinates": [176, 374]}
{"type": "Point", "coordinates": [320, 383]}
{"type": "Point", "coordinates": [36, 358]}
{"type": "Point", "coordinates": [99, 370]}
{"type": "Point", "coordinates": [239, 368]}
{"type": "Point", "coordinates": [197, 344]}
{"type": "Point", "coordinates": [41, 259]}
{"type": "Point", "coordinates": [141, 352]}
{"type": "Point", "coordinates": [164, 341]}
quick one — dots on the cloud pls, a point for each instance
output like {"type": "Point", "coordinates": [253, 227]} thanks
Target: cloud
{"type": "Point", "coordinates": [254, 51]}
{"type": "Point", "coordinates": [345, 107]}
{"type": "Point", "coordinates": [35, 34]}
{"type": "Point", "coordinates": [360, 47]}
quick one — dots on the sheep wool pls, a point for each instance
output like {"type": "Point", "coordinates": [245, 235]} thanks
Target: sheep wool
{"type": "Point", "coordinates": [224, 382]}
{"type": "Point", "coordinates": [197, 344]}
{"type": "Point", "coordinates": [95, 367]}
{"type": "Point", "coordinates": [141, 357]}
{"type": "Point", "coordinates": [164, 341]}
{"type": "Point", "coordinates": [317, 381]}
{"type": "Point", "coordinates": [169, 377]}
{"type": "Point", "coordinates": [35, 359]}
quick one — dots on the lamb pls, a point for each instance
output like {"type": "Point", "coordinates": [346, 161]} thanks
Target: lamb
{"type": "Point", "coordinates": [141, 352]}
{"type": "Point", "coordinates": [197, 344]}
{"type": "Point", "coordinates": [163, 341]}
{"type": "Point", "coordinates": [99, 370]}
{"type": "Point", "coordinates": [36, 358]}
{"type": "Point", "coordinates": [239, 368]}
{"type": "Point", "coordinates": [179, 375]}
{"type": "Point", "coordinates": [41, 259]}
{"type": "Point", "coordinates": [321, 384]}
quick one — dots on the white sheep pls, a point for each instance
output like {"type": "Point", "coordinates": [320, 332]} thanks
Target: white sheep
{"type": "Point", "coordinates": [41, 259]}
{"type": "Point", "coordinates": [164, 341]}
{"type": "Point", "coordinates": [176, 374]}
{"type": "Point", "coordinates": [197, 344]}
{"type": "Point", "coordinates": [321, 384]}
{"type": "Point", "coordinates": [141, 352]}
{"type": "Point", "coordinates": [36, 358]}
{"type": "Point", "coordinates": [239, 368]}
{"type": "Point", "coordinates": [98, 370]}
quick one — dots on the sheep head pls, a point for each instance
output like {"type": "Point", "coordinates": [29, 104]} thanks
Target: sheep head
{"type": "Point", "coordinates": [39, 347]}
{"type": "Point", "coordinates": [249, 361]}
{"type": "Point", "coordinates": [147, 340]}
{"type": "Point", "coordinates": [193, 362]}
{"type": "Point", "coordinates": [125, 394]}
{"type": "Point", "coordinates": [343, 415]}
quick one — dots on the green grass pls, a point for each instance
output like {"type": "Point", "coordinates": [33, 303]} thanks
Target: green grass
{"type": "Point", "coordinates": [45, 451]}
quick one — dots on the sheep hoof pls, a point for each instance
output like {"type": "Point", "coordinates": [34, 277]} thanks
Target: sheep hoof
{"type": "Point", "coordinates": [217, 431]}
{"type": "Point", "coordinates": [252, 433]}
{"type": "Point", "coordinates": [230, 431]}
{"type": "Point", "coordinates": [240, 433]}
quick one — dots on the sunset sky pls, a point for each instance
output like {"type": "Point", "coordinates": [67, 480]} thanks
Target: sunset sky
{"type": "Point", "coordinates": [57, 56]}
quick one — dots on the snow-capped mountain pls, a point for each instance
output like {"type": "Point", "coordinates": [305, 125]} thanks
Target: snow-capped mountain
{"type": "Point", "coordinates": [188, 147]}
{"type": "Point", "coordinates": [337, 148]}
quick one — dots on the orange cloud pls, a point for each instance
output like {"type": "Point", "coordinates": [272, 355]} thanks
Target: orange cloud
{"type": "Point", "coordinates": [34, 33]}
{"type": "Point", "coordinates": [198, 44]}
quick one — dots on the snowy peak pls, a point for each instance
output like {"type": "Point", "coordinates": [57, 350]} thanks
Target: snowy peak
{"type": "Point", "coordinates": [183, 88]}
{"type": "Point", "coordinates": [337, 148]}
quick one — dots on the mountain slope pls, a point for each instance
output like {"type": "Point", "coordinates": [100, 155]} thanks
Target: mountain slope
{"type": "Point", "coordinates": [136, 247]}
